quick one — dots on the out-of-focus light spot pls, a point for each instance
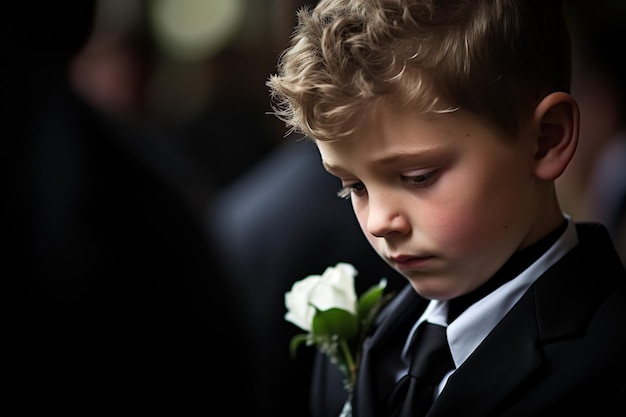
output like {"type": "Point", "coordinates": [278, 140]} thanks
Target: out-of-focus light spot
{"type": "Point", "coordinates": [191, 30]}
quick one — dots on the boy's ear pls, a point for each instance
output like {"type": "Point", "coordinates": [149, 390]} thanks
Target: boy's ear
{"type": "Point", "coordinates": [556, 123]}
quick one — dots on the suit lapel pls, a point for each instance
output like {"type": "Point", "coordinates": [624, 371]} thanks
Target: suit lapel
{"type": "Point", "coordinates": [570, 292]}
{"type": "Point", "coordinates": [394, 324]}
{"type": "Point", "coordinates": [403, 307]}
{"type": "Point", "coordinates": [509, 356]}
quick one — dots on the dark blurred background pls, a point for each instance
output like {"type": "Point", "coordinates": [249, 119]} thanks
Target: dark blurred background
{"type": "Point", "coordinates": [594, 185]}
{"type": "Point", "coordinates": [157, 213]}
{"type": "Point", "coordinates": [195, 69]}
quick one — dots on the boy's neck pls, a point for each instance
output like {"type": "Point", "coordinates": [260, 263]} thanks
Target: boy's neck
{"type": "Point", "coordinates": [517, 263]}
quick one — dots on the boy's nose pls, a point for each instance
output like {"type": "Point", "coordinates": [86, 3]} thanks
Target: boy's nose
{"type": "Point", "coordinates": [385, 217]}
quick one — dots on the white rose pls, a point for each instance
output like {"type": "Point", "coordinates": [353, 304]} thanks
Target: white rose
{"type": "Point", "coordinates": [333, 289]}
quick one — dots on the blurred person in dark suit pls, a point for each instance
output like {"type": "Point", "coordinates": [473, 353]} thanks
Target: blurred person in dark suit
{"type": "Point", "coordinates": [120, 304]}
{"type": "Point", "coordinates": [595, 187]}
{"type": "Point", "coordinates": [193, 70]}
{"type": "Point", "coordinates": [279, 222]}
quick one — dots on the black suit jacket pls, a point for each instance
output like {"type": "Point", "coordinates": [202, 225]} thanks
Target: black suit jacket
{"type": "Point", "coordinates": [560, 350]}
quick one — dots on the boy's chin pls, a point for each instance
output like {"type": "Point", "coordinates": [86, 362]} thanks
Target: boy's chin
{"type": "Point", "coordinates": [434, 289]}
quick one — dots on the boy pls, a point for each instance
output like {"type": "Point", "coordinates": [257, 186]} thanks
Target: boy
{"type": "Point", "coordinates": [447, 123]}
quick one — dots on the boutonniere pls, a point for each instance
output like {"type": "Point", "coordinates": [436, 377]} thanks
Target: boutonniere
{"type": "Point", "coordinates": [336, 320]}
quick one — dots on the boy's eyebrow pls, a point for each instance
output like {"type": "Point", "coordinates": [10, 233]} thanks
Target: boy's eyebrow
{"type": "Point", "coordinates": [333, 169]}
{"type": "Point", "coordinates": [392, 158]}
{"type": "Point", "coordinates": [406, 156]}
{"type": "Point", "coordinates": [388, 159]}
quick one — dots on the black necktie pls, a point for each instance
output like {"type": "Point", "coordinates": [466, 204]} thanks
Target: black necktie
{"type": "Point", "coordinates": [431, 360]}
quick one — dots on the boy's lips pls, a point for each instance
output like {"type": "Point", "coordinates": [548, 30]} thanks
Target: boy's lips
{"type": "Point", "coordinates": [404, 262]}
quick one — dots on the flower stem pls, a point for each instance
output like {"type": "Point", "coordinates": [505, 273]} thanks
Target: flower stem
{"type": "Point", "coordinates": [350, 364]}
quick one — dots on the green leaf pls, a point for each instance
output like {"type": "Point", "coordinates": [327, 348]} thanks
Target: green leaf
{"type": "Point", "coordinates": [335, 322]}
{"type": "Point", "coordinates": [296, 341]}
{"type": "Point", "coordinates": [371, 299]}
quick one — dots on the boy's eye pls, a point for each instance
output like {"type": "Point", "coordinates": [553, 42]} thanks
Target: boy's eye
{"type": "Point", "coordinates": [346, 191]}
{"type": "Point", "coordinates": [414, 181]}
{"type": "Point", "coordinates": [421, 180]}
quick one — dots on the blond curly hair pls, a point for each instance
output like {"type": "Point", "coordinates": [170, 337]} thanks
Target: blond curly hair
{"type": "Point", "coordinates": [494, 58]}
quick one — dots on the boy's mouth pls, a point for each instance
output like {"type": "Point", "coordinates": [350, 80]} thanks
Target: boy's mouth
{"type": "Point", "coordinates": [405, 262]}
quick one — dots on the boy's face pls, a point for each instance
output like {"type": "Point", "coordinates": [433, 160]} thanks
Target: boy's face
{"type": "Point", "coordinates": [443, 199]}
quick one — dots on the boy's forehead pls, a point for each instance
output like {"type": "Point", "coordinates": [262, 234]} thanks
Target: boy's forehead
{"type": "Point", "coordinates": [400, 138]}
